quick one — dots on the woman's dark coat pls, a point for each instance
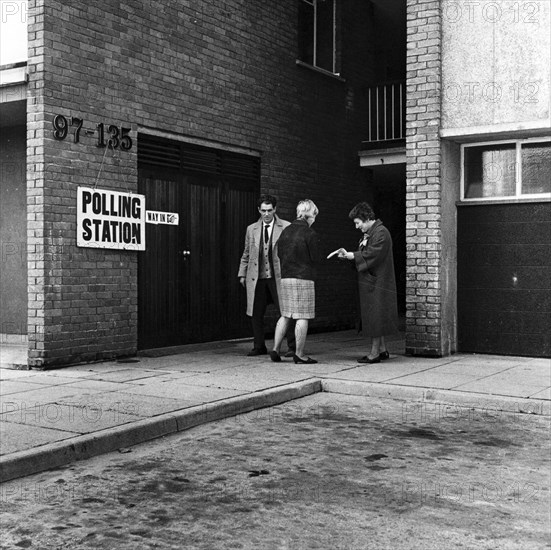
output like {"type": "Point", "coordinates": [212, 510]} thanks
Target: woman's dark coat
{"type": "Point", "coordinates": [377, 283]}
{"type": "Point", "coordinates": [298, 251]}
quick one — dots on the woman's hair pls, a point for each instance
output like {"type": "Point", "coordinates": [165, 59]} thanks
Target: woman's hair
{"type": "Point", "coordinates": [306, 209]}
{"type": "Point", "coordinates": [362, 211]}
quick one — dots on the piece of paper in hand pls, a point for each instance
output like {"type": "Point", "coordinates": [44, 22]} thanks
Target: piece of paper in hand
{"type": "Point", "coordinates": [334, 252]}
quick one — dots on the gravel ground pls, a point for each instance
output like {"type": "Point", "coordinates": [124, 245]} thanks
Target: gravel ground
{"type": "Point", "coordinates": [324, 472]}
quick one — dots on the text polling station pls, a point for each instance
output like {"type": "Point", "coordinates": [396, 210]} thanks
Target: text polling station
{"type": "Point", "coordinates": [110, 219]}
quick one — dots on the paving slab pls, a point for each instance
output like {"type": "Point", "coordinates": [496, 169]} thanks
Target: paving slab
{"type": "Point", "coordinates": [496, 386]}
{"type": "Point", "coordinates": [197, 363]}
{"type": "Point", "coordinates": [14, 354]}
{"type": "Point", "coordinates": [92, 384]}
{"type": "Point", "coordinates": [527, 372]}
{"type": "Point", "coordinates": [45, 394]}
{"type": "Point", "coordinates": [491, 359]}
{"type": "Point", "coordinates": [44, 379]}
{"type": "Point", "coordinates": [79, 420]}
{"type": "Point", "coordinates": [431, 379]}
{"type": "Point", "coordinates": [473, 368]}
{"type": "Point", "coordinates": [18, 385]}
{"type": "Point", "coordinates": [14, 374]}
{"type": "Point", "coordinates": [128, 403]}
{"type": "Point", "coordinates": [183, 391]}
{"type": "Point", "coordinates": [20, 437]}
{"type": "Point", "coordinates": [242, 378]}
{"type": "Point", "coordinates": [163, 376]}
{"type": "Point", "coordinates": [380, 372]}
{"type": "Point", "coordinates": [127, 375]}
{"type": "Point", "coordinates": [540, 362]}
{"type": "Point", "coordinates": [544, 395]}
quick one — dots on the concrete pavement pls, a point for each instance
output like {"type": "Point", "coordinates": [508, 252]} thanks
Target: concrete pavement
{"type": "Point", "coordinates": [51, 418]}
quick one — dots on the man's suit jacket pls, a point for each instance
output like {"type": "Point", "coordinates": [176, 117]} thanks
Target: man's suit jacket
{"type": "Point", "coordinates": [249, 267]}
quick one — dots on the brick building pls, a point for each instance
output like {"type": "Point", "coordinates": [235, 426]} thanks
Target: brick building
{"type": "Point", "coordinates": [194, 109]}
{"type": "Point", "coordinates": [478, 177]}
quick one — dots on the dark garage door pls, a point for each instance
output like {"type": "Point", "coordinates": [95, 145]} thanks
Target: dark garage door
{"type": "Point", "coordinates": [504, 279]}
{"type": "Point", "coordinates": [187, 277]}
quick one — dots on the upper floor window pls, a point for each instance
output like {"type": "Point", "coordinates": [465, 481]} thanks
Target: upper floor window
{"type": "Point", "coordinates": [317, 33]}
{"type": "Point", "coordinates": [13, 32]}
{"type": "Point", "coordinates": [507, 170]}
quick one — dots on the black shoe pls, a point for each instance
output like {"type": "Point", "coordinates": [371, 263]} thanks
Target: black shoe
{"type": "Point", "coordinates": [290, 353]}
{"type": "Point", "coordinates": [275, 357]}
{"type": "Point", "coordinates": [307, 361]}
{"type": "Point", "coordinates": [384, 355]}
{"type": "Point", "coordinates": [366, 359]}
{"type": "Point", "coordinates": [257, 351]}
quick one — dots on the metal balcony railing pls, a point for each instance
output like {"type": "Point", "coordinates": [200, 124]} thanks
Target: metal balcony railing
{"type": "Point", "coordinates": [386, 113]}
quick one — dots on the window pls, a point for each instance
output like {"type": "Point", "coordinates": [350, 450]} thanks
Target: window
{"type": "Point", "coordinates": [317, 33]}
{"type": "Point", "coordinates": [507, 170]}
{"type": "Point", "coordinates": [13, 32]}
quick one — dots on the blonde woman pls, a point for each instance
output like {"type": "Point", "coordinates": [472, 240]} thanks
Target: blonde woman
{"type": "Point", "coordinates": [298, 252]}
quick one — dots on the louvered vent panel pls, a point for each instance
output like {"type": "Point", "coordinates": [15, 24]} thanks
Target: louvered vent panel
{"type": "Point", "coordinates": [201, 159]}
{"type": "Point", "coordinates": [158, 152]}
{"type": "Point", "coordinates": [154, 151]}
{"type": "Point", "coordinates": [241, 166]}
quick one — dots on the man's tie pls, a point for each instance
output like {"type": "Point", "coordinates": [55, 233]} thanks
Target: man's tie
{"type": "Point", "coordinates": [266, 234]}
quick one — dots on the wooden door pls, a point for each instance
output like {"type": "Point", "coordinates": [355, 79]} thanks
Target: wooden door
{"type": "Point", "coordinates": [204, 311]}
{"type": "Point", "coordinates": [161, 267]}
{"type": "Point", "coordinates": [188, 289]}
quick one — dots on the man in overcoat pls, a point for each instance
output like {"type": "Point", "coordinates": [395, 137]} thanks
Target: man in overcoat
{"type": "Point", "coordinates": [260, 272]}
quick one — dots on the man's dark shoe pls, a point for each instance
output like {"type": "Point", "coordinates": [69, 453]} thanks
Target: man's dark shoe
{"type": "Point", "coordinates": [290, 353]}
{"type": "Point", "coordinates": [257, 351]}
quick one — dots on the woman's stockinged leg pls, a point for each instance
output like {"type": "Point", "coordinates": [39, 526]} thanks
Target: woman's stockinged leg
{"type": "Point", "coordinates": [375, 346]}
{"type": "Point", "coordinates": [280, 331]}
{"type": "Point", "coordinates": [301, 330]}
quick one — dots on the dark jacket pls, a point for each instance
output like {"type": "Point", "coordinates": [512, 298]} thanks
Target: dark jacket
{"type": "Point", "coordinates": [298, 251]}
{"type": "Point", "coordinates": [377, 284]}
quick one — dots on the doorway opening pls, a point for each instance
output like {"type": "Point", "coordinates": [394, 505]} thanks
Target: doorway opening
{"type": "Point", "coordinates": [387, 196]}
{"type": "Point", "coordinates": [187, 277]}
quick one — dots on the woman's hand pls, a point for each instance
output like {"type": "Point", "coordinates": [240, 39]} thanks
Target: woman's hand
{"type": "Point", "coordinates": [344, 255]}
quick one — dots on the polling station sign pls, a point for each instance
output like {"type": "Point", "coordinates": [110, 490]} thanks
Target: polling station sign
{"type": "Point", "coordinates": [110, 219]}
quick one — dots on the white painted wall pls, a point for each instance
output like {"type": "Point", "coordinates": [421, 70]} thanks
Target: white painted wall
{"type": "Point", "coordinates": [496, 62]}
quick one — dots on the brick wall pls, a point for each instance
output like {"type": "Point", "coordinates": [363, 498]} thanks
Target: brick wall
{"type": "Point", "coordinates": [425, 296]}
{"type": "Point", "coordinates": [223, 71]}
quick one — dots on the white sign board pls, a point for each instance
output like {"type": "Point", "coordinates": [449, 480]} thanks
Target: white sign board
{"type": "Point", "coordinates": [169, 218]}
{"type": "Point", "coordinates": [110, 219]}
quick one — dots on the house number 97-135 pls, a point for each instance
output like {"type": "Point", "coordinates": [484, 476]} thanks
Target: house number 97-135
{"type": "Point", "coordinates": [108, 135]}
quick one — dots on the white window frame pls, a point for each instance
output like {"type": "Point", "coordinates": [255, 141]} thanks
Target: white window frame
{"type": "Point", "coordinates": [333, 71]}
{"type": "Point", "coordinates": [518, 196]}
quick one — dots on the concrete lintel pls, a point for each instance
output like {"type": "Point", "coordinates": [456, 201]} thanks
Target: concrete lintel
{"type": "Point", "coordinates": [381, 157]}
{"type": "Point", "coordinates": [507, 130]}
{"type": "Point", "coordinates": [13, 76]}
{"type": "Point", "coordinates": [17, 92]}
